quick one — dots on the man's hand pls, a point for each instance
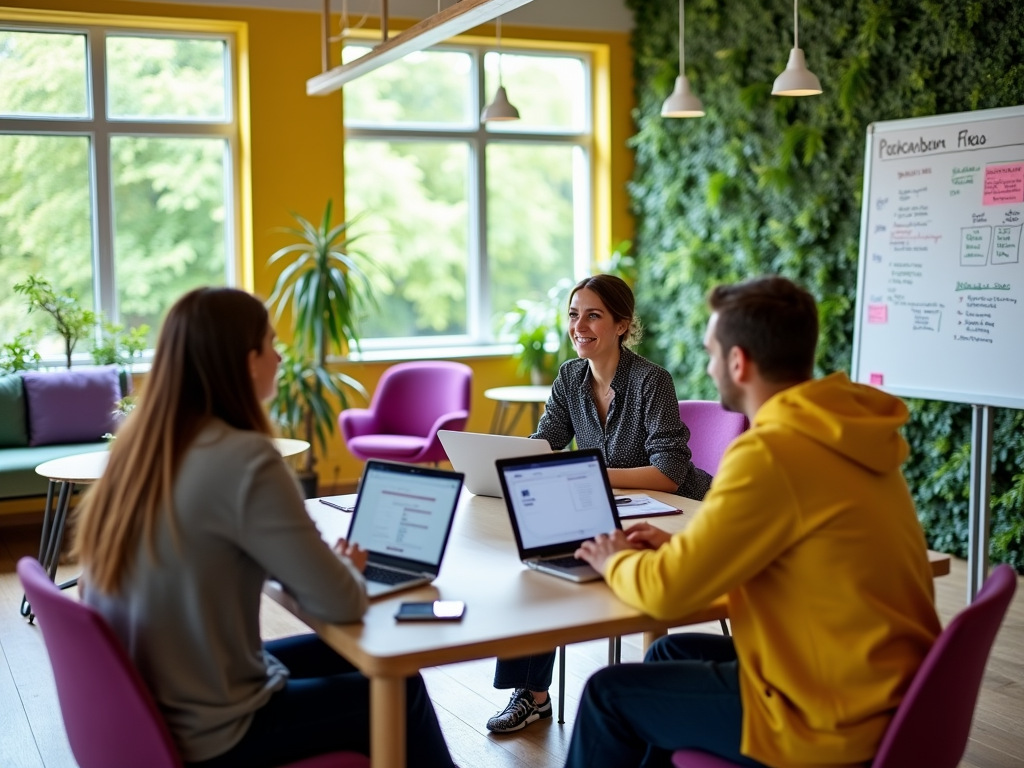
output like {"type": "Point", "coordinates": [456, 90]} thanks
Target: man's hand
{"type": "Point", "coordinates": [597, 551]}
{"type": "Point", "coordinates": [357, 556]}
{"type": "Point", "coordinates": [646, 536]}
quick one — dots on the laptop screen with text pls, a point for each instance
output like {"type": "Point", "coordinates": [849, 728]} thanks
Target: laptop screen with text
{"type": "Point", "coordinates": [405, 513]}
{"type": "Point", "coordinates": [561, 499]}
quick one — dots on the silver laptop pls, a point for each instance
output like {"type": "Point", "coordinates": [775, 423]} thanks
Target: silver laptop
{"type": "Point", "coordinates": [474, 454]}
{"type": "Point", "coordinates": [403, 517]}
{"type": "Point", "coordinates": [556, 502]}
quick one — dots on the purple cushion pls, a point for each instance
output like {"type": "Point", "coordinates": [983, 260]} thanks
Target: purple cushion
{"type": "Point", "coordinates": [74, 406]}
{"type": "Point", "coordinates": [386, 446]}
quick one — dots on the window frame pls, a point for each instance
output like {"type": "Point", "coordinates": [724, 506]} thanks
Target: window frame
{"type": "Point", "coordinates": [100, 129]}
{"type": "Point", "coordinates": [480, 335]}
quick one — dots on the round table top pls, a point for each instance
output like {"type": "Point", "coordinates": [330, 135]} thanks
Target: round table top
{"type": "Point", "coordinates": [523, 394]}
{"type": "Point", "coordinates": [85, 468]}
{"type": "Point", "coordinates": [288, 446]}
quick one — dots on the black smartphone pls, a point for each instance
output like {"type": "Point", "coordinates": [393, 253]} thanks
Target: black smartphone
{"type": "Point", "coordinates": [438, 610]}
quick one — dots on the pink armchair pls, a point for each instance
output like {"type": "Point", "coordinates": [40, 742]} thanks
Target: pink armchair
{"type": "Point", "coordinates": [411, 403]}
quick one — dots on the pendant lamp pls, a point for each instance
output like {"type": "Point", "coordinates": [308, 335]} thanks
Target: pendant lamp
{"type": "Point", "coordinates": [797, 79]}
{"type": "Point", "coordinates": [500, 109]}
{"type": "Point", "coordinates": [682, 102]}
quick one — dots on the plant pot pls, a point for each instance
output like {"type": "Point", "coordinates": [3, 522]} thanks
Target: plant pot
{"type": "Point", "coordinates": [539, 378]}
{"type": "Point", "coordinates": [310, 484]}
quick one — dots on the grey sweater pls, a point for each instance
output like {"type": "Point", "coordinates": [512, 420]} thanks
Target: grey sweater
{"type": "Point", "coordinates": [190, 619]}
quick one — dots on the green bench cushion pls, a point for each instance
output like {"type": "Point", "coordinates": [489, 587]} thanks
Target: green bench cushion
{"type": "Point", "coordinates": [18, 467]}
{"type": "Point", "coordinates": [13, 427]}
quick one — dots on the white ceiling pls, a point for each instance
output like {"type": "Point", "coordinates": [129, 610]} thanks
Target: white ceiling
{"type": "Point", "coordinates": [606, 15]}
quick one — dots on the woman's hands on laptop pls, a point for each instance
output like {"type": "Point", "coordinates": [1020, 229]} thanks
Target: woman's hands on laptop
{"type": "Point", "coordinates": [357, 556]}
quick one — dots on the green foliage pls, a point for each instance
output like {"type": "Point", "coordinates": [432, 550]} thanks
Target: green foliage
{"type": "Point", "coordinates": [326, 285]}
{"type": "Point", "coordinates": [773, 185]}
{"type": "Point", "coordinates": [71, 320]}
{"type": "Point", "coordinates": [19, 354]}
{"type": "Point", "coordinates": [301, 406]}
{"type": "Point", "coordinates": [118, 346]}
{"type": "Point", "coordinates": [540, 329]}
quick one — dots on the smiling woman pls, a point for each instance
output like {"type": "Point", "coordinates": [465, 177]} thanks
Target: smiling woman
{"type": "Point", "coordinates": [625, 406]}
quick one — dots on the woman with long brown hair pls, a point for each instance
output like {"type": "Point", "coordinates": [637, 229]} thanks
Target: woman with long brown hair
{"type": "Point", "coordinates": [195, 510]}
{"type": "Point", "coordinates": [612, 399]}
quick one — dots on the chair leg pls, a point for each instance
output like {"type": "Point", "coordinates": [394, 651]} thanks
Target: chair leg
{"type": "Point", "coordinates": [725, 628]}
{"type": "Point", "coordinates": [614, 650]}
{"type": "Point", "coordinates": [561, 685]}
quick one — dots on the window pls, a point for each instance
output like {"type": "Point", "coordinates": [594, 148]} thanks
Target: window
{"type": "Point", "coordinates": [118, 165]}
{"type": "Point", "coordinates": [464, 218]}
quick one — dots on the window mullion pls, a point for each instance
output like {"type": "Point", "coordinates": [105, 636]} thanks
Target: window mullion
{"type": "Point", "coordinates": [102, 193]}
{"type": "Point", "coordinates": [481, 282]}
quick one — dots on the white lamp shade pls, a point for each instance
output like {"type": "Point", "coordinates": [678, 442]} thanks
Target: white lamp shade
{"type": "Point", "coordinates": [797, 79]}
{"type": "Point", "coordinates": [500, 108]}
{"type": "Point", "coordinates": [682, 102]}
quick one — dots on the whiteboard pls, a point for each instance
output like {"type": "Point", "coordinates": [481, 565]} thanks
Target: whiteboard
{"type": "Point", "coordinates": [940, 284]}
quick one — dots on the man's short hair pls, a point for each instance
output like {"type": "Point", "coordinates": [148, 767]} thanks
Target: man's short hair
{"type": "Point", "coordinates": [774, 321]}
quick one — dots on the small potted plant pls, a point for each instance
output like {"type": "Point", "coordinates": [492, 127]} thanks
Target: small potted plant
{"type": "Point", "coordinates": [540, 330]}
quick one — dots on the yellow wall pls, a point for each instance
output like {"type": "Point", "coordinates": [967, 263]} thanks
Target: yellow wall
{"type": "Point", "coordinates": [297, 144]}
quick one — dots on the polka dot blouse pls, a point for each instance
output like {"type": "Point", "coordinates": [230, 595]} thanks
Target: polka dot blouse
{"type": "Point", "coordinates": [643, 427]}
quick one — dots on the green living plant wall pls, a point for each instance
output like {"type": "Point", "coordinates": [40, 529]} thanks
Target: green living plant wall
{"type": "Point", "coordinates": [764, 184]}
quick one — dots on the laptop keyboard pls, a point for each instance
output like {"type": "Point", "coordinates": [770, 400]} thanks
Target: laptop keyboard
{"type": "Point", "coordinates": [385, 576]}
{"type": "Point", "coordinates": [564, 562]}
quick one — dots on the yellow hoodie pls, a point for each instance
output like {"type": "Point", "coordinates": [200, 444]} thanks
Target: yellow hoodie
{"type": "Point", "coordinates": [810, 530]}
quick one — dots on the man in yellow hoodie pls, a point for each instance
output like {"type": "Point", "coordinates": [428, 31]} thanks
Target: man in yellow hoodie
{"type": "Point", "coordinates": [810, 531]}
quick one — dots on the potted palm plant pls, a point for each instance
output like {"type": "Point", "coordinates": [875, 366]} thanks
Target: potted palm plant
{"type": "Point", "coordinates": [326, 286]}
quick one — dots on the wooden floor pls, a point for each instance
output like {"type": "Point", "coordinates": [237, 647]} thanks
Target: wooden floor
{"type": "Point", "coordinates": [32, 734]}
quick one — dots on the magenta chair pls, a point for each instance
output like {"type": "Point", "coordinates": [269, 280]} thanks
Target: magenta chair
{"type": "Point", "coordinates": [712, 428]}
{"type": "Point", "coordinates": [110, 718]}
{"type": "Point", "coordinates": [411, 403]}
{"type": "Point", "coordinates": [932, 723]}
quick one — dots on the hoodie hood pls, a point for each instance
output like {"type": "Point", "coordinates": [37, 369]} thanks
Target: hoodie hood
{"type": "Point", "coordinates": [857, 421]}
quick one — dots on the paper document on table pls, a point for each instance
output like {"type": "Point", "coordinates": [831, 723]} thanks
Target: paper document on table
{"type": "Point", "coordinates": [642, 505]}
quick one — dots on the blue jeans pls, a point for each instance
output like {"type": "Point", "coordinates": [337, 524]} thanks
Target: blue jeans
{"type": "Point", "coordinates": [686, 695]}
{"type": "Point", "coordinates": [325, 707]}
{"type": "Point", "coordinates": [530, 672]}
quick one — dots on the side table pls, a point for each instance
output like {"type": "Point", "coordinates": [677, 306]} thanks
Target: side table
{"type": "Point", "coordinates": [505, 418]}
{"type": "Point", "coordinates": [86, 468]}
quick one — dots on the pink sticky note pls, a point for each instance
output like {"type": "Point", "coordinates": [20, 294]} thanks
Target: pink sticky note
{"type": "Point", "coordinates": [1004, 184]}
{"type": "Point", "coordinates": [878, 313]}
{"type": "Point", "coordinates": [877, 379]}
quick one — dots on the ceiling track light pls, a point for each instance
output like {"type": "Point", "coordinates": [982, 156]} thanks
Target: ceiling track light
{"type": "Point", "coordinates": [682, 102]}
{"type": "Point", "coordinates": [500, 109]}
{"type": "Point", "coordinates": [796, 79]}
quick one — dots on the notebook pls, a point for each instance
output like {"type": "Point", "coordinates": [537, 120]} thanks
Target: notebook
{"type": "Point", "coordinates": [474, 454]}
{"type": "Point", "coordinates": [556, 502]}
{"type": "Point", "coordinates": [403, 517]}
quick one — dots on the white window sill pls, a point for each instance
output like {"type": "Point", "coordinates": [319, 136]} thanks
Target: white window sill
{"type": "Point", "coordinates": [398, 355]}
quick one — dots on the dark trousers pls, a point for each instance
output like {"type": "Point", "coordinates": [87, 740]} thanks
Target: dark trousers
{"type": "Point", "coordinates": [686, 695]}
{"type": "Point", "coordinates": [325, 707]}
{"type": "Point", "coordinates": [531, 672]}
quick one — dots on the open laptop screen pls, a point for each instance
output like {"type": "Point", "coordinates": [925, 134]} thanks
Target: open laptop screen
{"type": "Point", "coordinates": [558, 500]}
{"type": "Point", "coordinates": [405, 512]}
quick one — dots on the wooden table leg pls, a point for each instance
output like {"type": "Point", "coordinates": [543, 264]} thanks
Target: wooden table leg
{"type": "Point", "coordinates": [387, 722]}
{"type": "Point", "coordinates": [650, 637]}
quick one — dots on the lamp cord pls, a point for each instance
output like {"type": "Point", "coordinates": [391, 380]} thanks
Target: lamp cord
{"type": "Point", "coordinates": [796, 26]}
{"type": "Point", "coordinates": [501, 84]}
{"type": "Point", "coordinates": [682, 54]}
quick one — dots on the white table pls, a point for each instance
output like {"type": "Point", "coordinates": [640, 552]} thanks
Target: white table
{"type": "Point", "coordinates": [84, 469]}
{"type": "Point", "coordinates": [507, 397]}
{"type": "Point", "coordinates": [510, 610]}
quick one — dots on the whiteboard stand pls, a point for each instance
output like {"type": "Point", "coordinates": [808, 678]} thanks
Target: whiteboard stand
{"type": "Point", "coordinates": [980, 499]}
